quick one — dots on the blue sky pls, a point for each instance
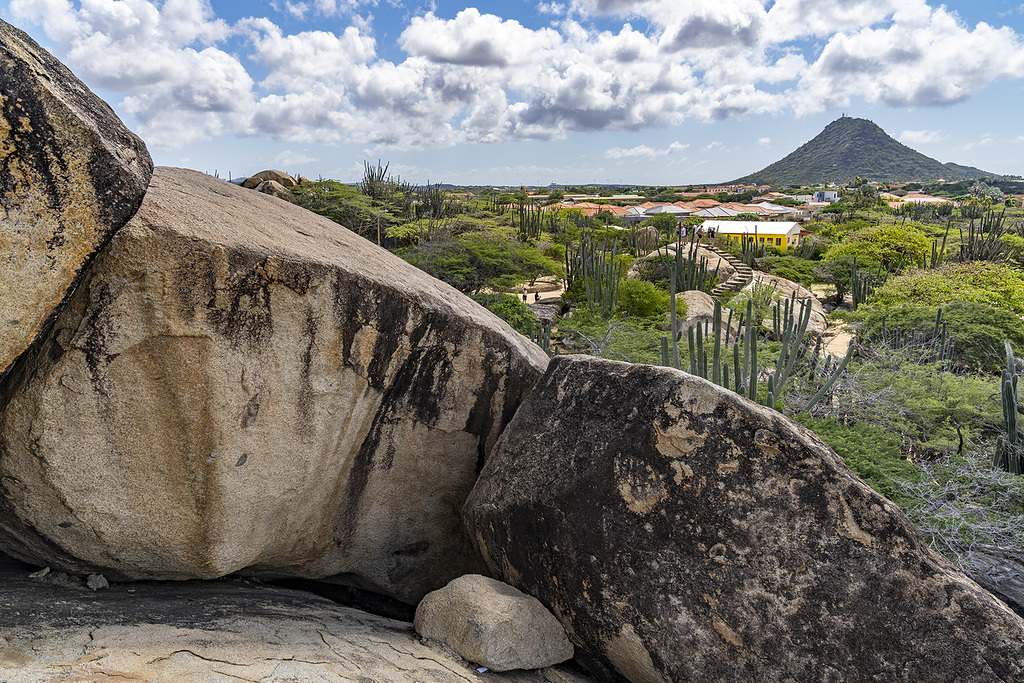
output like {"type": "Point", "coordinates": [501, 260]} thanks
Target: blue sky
{"type": "Point", "coordinates": [655, 92]}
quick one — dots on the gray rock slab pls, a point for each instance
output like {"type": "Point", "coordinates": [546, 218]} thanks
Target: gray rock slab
{"type": "Point", "coordinates": [220, 630]}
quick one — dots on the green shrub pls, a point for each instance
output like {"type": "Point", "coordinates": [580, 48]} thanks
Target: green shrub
{"type": "Point", "coordinates": [634, 340]}
{"type": "Point", "coordinates": [888, 244]}
{"type": "Point", "coordinates": [976, 330]}
{"type": "Point", "coordinates": [511, 309]}
{"type": "Point", "coordinates": [555, 252]}
{"type": "Point", "coordinates": [998, 285]}
{"type": "Point", "coordinates": [929, 408]}
{"type": "Point", "coordinates": [790, 267]}
{"type": "Point", "coordinates": [872, 452]}
{"type": "Point", "coordinates": [642, 299]}
{"type": "Point", "coordinates": [764, 297]}
{"type": "Point", "coordinates": [343, 204]}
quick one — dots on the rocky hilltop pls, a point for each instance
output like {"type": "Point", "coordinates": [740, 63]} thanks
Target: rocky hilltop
{"type": "Point", "coordinates": [227, 390]}
{"type": "Point", "coordinates": [850, 147]}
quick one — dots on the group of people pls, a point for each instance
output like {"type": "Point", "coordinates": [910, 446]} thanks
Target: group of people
{"type": "Point", "coordinates": [681, 233]}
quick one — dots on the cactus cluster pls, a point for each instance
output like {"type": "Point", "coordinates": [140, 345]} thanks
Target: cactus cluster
{"type": "Point", "coordinates": [1009, 453]}
{"type": "Point", "coordinates": [737, 369]}
{"type": "Point", "coordinates": [600, 271]}
{"type": "Point", "coordinates": [984, 241]}
{"type": "Point", "coordinates": [542, 338]}
{"type": "Point", "coordinates": [938, 342]}
{"type": "Point", "coordinates": [864, 282]}
{"type": "Point", "coordinates": [691, 271]}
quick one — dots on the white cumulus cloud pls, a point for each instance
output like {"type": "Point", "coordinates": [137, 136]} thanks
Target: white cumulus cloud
{"type": "Point", "coordinates": [646, 152]}
{"type": "Point", "coordinates": [187, 75]}
{"type": "Point", "coordinates": [921, 137]}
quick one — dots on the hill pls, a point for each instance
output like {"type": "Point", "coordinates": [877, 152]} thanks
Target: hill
{"type": "Point", "coordinates": [850, 147]}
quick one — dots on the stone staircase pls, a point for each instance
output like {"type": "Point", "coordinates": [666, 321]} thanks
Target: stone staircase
{"type": "Point", "coordinates": [740, 279]}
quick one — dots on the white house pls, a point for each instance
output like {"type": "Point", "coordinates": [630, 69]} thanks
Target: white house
{"type": "Point", "coordinates": [781, 234]}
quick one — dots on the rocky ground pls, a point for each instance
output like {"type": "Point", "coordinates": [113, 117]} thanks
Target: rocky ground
{"type": "Point", "coordinates": [54, 628]}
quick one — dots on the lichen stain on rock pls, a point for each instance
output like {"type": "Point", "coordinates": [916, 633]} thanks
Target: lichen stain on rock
{"type": "Point", "coordinates": [847, 526]}
{"type": "Point", "coordinates": [768, 442]}
{"type": "Point", "coordinates": [235, 289]}
{"type": "Point", "coordinates": [641, 487]}
{"type": "Point", "coordinates": [629, 656]}
{"type": "Point", "coordinates": [691, 396]}
{"type": "Point", "coordinates": [678, 441]}
{"type": "Point", "coordinates": [722, 629]}
{"type": "Point", "coordinates": [682, 471]}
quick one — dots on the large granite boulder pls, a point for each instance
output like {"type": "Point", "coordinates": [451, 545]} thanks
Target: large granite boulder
{"type": "Point", "coordinates": [240, 384]}
{"type": "Point", "coordinates": [683, 533]}
{"type": "Point", "coordinates": [71, 174]}
{"type": "Point", "coordinates": [52, 629]}
{"type": "Point", "coordinates": [700, 315]}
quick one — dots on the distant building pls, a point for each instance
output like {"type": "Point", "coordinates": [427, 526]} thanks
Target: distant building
{"type": "Point", "coordinates": [826, 196]}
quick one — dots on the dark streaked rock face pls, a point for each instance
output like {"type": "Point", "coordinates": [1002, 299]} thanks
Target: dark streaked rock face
{"type": "Point", "coordinates": [680, 532]}
{"type": "Point", "coordinates": [242, 385]}
{"type": "Point", "coordinates": [71, 174]}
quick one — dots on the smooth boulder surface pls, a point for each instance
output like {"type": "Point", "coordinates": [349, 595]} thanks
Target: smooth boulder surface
{"type": "Point", "coordinates": [785, 289]}
{"type": "Point", "coordinates": [253, 181]}
{"type": "Point", "coordinates": [492, 624]}
{"type": "Point", "coordinates": [222, 630]}
{"type": "Point", "coordinates": [71, 174]}
{"type": "Point", "coordinates": [683, 533]}
{"type": "Point", "coordinates": [240, 384]}
{"type": "Point", "coordinates": [700, 314]}
{"type": "Point", "coordinates": [275, 189]}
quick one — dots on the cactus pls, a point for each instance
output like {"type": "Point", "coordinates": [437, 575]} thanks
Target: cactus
{"type": "Point", "coordinates": [790, 320]}
{"type": "Point", "coordinates": [600, 271]}
{"type": "Point", "coordinates": [984, 243]}
{"type": "Point", "coordinates": [1009, 453]}
{"type": "Point", "coordinates": [542, 338]}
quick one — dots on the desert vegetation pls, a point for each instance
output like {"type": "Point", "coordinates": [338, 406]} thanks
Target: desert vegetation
{"type": "Point", "coordinates": [917, 406]}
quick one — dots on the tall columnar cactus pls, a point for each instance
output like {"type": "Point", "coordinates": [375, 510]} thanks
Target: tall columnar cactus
{"type": "Point", "coordinates": [1009, 453]}
{"type": "Point", "coordinates": [938, 344]}
{"type": "Point", "coordinates": [600, 271]}
{"type": "Point", "coordinates": [790, 321]}
{"type": "Point", "coordinates": [542, 338]}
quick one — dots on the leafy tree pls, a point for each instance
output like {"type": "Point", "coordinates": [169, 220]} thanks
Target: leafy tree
{"type": "Point", "coordinates": [343, 204]}
{"type": "Point", "coordinates": [889, 244]}
{"type": "Point", "coordinates": [665, 223]}
{"type": "Point", "coordinates": [985, 192]}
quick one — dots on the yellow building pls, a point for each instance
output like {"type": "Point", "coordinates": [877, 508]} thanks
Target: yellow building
{"type": "Point", "coordinates": [780, 234]}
